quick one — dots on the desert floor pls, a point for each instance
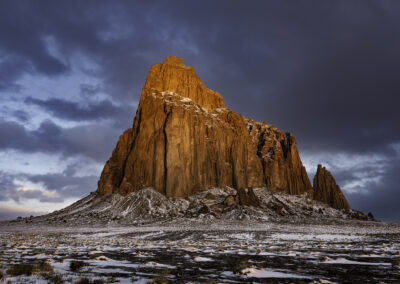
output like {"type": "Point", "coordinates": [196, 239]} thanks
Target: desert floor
{"type": "Point", "coordinates": [193, 251]}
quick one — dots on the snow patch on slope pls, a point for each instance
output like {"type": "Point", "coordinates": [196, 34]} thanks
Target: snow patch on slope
{"type": "Point", "coordinates": [148, 205]}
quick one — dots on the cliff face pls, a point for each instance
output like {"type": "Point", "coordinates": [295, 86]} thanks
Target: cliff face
{"type": "Point", "coordinates": [184, 140]}
{"type": "Point", "coordinates": [326, 190]}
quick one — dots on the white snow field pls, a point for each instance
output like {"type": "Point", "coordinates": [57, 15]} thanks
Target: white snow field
{"type": "Point", "coordinates": [201, 251]}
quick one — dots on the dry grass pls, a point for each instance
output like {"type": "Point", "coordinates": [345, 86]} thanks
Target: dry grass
{"type": "Point", "coordinates": [20, 269]}
{"type": "Point", "coordinates": [41, 267]}
{"type": "Point", "coordinates": [55, 279]}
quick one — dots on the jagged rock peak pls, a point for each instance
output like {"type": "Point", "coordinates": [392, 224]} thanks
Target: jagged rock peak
{"type": "Point", "coordinates": [174, 60]}
{"type": "Point", "coordinates": [183, 141]}
{"type": "Point", "coordinates": [326, 190]}
{"type": "Point", "coordinates": [175, 77]}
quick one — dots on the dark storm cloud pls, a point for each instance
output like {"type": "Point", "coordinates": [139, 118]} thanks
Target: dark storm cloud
{"type": "Point", "coordinates": [42, 38]}
{"type": "Point", "coordinates": [7, 185]}
{"type": "Point", "coordinates": [11, 68]}
{"type": "Point", "coordinates": [380, 197]}
{"type": "Point", "coordinates": [324, 70]}
{"type": "Point", "coordinates": [95, 142]}
{"type": "Point", "coordinates": [89, 90]}
{"type": "Point", "coordinates": [304, 77]}
{"type": "Point", "coordinates": [65, 185]}
{"type": "Point", "coordinates": [345, 176]}
{"type": "Point", "coordinates": [22, 44]}
{"type": "Point", "coordinates": [21, 115]}
{"type": "Point", "coordinates": [74, 111]}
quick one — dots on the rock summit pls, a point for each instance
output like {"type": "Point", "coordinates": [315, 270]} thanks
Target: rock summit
{"type": "Point", "coordinates": [184, 140]}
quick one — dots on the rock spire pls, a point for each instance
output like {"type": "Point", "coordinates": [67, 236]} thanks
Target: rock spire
{"type": "Point", "coordinates": [327, 191]}
{"type": "Point", "coordinates": [184, 140]}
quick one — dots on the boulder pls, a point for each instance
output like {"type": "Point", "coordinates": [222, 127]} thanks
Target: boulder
{"type": "Point", "coordinates": [247, 197]}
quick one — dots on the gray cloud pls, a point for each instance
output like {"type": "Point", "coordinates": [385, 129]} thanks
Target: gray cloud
{"type": "Point", "coordinates": [380, 197]}
{"type": "Point", "coordinates": [9, 190]}
{"type": "Point", "coordinates": [7, 185]}
{"type": "Point", "coordinates": [57, 186]}
{"type": "Point", "coordinates": [65, 184]}
{"type": "Point", "coordinates": [29, 193]}
{"type": "Point", "coordinates": [74, 111]}
{"type": "Point", "coordinates": [10, 213]}
{"type": "Point", "coordinates": [89, 90]}
{"type": "Point", "coordinates": [21, 115]}
{"type": "Point", "coordinates": [92, 141]}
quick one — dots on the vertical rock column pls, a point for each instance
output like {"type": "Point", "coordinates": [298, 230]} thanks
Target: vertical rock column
{"type": "Point", "coordinates": [327, 191]}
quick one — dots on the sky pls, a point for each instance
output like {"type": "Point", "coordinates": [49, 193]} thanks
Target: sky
{"type": "Point", "coordinates": [71, 74]}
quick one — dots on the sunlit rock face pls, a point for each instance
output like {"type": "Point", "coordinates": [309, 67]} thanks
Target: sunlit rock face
{"type": "Point", "coordinates": [327, 191]}
{"type": "Point", "coordinates": [185, 140]}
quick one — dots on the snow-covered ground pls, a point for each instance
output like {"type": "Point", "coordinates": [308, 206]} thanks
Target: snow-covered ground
{"type": "Point", "coordinates": [205, 251]}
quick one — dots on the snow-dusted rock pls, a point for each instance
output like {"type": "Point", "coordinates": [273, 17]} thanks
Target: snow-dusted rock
{"type": "Point", "coordinates": [148, 205]}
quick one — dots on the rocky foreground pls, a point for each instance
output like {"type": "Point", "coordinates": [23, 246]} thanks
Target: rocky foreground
{"type": "Point", "coordinates": [218, 235]}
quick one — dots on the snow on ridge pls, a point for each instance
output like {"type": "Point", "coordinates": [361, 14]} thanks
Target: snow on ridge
{"type": "Point", "coordinates": [186, 99]}
{"type": "Point", "coordinates": [149, 205]}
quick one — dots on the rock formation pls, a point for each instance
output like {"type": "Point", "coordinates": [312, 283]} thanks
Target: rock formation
{"type": "Point", "coordinates": [247, 197]}
{"type": "Point", "coordinates": [327, 191]}
{"type": "Point", "coordinates": [184, 140]}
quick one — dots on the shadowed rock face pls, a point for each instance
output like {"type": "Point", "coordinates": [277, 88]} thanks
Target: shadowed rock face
{"type": "Point", "coordinates": [184, 140]}
{"type": "Point", "coordinates": [326, 190]}
{"type": "Point", "coordinates": [247, 197]}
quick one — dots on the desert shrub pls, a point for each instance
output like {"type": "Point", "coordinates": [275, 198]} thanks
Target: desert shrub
{"type": "Point", "coordinates": [238, 264]}
{"type": "Point", "coordinates": [161, 278]}
{"type": "Point", "coordinates": [1, 276]}
{"type": "Point", "coordinates": [39, 268]}
{"type": "Point", "coordinates": [55, 279]}
{"type": "Point", "coordinates": [98, 281]}
{"type": "Point", "coordinates": [20, 269]}
{"type": "Point", "coordinates": [83, 280]}
{"type": "Point", "coordinates": [58, 259]}
{"type": "Point", "coordinates": [42, 267]}
{"type": "Point", "coordinates": [322, 258]}
{"type": "Point", "coordinates": [77, 265]}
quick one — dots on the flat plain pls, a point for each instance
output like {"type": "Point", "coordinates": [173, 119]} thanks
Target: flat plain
{"type": "Point", "coordinates": [203, 251]}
